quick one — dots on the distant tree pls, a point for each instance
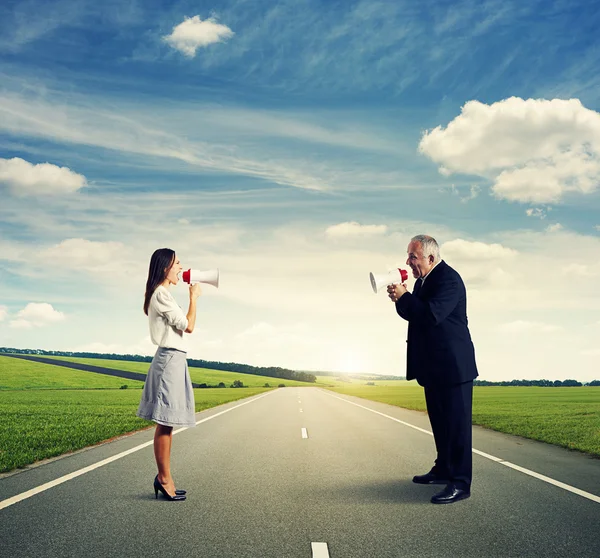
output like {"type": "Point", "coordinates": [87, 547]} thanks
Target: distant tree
{"type": "Point", "coordinates": [571, 383]}
{"type": "Point", "coordinates": [266, 385]}
{"type": "Point", "coordinates": [221, 385]}
{"type": "Point", "coordinates": [237, 384]}
{"type": "Point", "coordinates": [281, 385]}
{"type": "Point", "coordinates": [594, 383]}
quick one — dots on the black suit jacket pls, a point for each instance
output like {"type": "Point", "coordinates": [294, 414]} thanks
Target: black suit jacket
{"type": "Point", "coordinates": [440, 350]}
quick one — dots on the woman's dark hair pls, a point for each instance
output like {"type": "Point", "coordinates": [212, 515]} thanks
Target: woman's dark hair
{"type": "Point", "coordinates": [160, 263]}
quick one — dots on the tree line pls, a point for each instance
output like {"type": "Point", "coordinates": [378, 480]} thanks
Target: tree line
{"type": "Point", "coordinates": [540, 383]}
{"type": "Point", "coordinates": [271, 371]}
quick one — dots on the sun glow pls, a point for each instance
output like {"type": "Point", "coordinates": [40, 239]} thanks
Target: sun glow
{"type": "Point", "coordinates": [351, 362]}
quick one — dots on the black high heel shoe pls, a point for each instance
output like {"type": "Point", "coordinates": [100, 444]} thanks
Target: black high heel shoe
{"type": "Point", "coordinates": [158, 486]}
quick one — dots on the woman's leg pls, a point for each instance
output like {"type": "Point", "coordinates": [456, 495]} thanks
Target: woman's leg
{"type": "Point", "coordinates": [162, 452]}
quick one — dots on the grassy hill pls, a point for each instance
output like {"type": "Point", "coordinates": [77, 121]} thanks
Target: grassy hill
{"type": "Point", "coordinates": [199, 375]}
{"type": "Point", "coordinates": [27, 375]}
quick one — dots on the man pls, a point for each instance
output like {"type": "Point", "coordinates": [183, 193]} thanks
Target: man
{"type": "Point", "coordinates": [441, 356]}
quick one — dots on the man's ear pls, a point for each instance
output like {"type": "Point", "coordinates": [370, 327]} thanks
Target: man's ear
{"type": "Point", "coordinates": [430, 258]}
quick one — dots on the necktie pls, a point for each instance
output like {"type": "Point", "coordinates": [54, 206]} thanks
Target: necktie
{"type": "Point", "coordinates": [418, 284]}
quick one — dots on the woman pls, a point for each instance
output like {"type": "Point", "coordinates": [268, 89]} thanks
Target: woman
{"type": "Point", "coordinates": [167, 397]}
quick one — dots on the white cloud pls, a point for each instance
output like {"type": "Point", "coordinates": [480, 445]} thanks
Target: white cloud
{"type": "Point", "coordinates": [523, 326]}
{"type": "Point", "coordinates": [473, 193]}
{"type": "Point", "coordinates": [142, 347]}
{"type": "Point", "coordinates": [26, 179]}
{"type": "Point", "coordinates": [580, 270]}
{"type": "Point", "coordinates": [194, 33]}
{"type": "Point", "coordinates": [307, 126]}
{"type": "Point", "coordinates": [484, 266]}
{"type": "Point", "coordinates": [3, 313]}
{"type": "Point", "coordinates": [79, 253]}
{"type": "Point", "coordinates": [296, 343]}
{"type": "Point", "coordinates": [354, 229]}
{"type": "Point", "coordinates": [36, 314]}
{"type": "Point", "coordinates": [21, 324]}
{"type": "Point", "coordinates": [26, 22]}
{"type": "Point", "coordinates": [470, 250]}
{"type": "Point", "coordinates": [534, 150]}
{"type": "Point", "coordinates": [597, 227]}
{"type": "Point", "coordinates": [539, 212]}
{"type": "Point", "coordinates": [554, 228]}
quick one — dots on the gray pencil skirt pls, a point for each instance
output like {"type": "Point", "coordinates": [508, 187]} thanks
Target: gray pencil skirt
{"type": "Point", "coordinates": [168, 396]}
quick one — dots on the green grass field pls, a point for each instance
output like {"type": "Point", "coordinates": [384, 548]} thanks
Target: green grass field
{"type": "Point", "coordinates": [24, 374]}
{"type": "Point", "coordinates": [199, 375]}
{"type": "Point", "coordinates": [563, 416]}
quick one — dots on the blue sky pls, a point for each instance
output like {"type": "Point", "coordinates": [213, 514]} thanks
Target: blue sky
{"type": "Point", "coordinates": [297, 146]}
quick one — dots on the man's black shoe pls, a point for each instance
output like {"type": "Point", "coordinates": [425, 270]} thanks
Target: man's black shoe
{"type": "Point", "coordinates": [429, 478]}
{"type": "Point", "coordinates": [450, 494]}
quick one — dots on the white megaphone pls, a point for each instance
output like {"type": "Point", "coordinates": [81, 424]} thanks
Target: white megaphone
{"type": "Point", "coordinates": [210, 276]}
{"type": "Point", "coordinates": [391, 277]}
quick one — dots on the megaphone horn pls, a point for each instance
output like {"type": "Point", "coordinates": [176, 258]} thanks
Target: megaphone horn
{"type": "Point", "coordinates": [391, 277]}
{"type": "Point", "coordinates": [210, 276]}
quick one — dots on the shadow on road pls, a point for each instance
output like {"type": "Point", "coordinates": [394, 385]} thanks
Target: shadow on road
{"type": "Point", "coordinates": [148, 497]}
{"type": "Point", "coordinates": [393, 491]}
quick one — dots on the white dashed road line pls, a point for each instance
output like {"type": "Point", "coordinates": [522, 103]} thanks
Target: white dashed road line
{"type": "Point", "coordinates": [319, 550]}
{"type": "Point", "coordinates": [304, 433]}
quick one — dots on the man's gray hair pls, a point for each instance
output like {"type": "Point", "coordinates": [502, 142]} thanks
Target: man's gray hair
{"type": "Point", "coordinates": [429, 245]}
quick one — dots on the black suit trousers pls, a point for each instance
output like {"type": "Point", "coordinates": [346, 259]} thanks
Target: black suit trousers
{"type": "Point", "coordinates": [450, 413]}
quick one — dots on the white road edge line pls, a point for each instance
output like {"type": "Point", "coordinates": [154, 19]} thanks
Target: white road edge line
{"type": "Point", "coordinates": [319, 550]}
{"type": "Point", "coordinates": [43, 487]}
{"type": "Point", "coordinates": [304, 433]}
{"type": "Point", "coordinates": [539, 476]}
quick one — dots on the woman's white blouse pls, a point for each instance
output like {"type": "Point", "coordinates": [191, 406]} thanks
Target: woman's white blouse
{"type": "Point", "coordinates": [167, 320]}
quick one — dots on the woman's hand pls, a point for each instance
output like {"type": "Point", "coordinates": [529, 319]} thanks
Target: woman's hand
{"type": "Point", "coordinates": [195, 291]}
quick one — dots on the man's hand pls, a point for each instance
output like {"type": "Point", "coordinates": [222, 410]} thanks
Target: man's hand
{"type": "Point", "coordinates": [396, 291]}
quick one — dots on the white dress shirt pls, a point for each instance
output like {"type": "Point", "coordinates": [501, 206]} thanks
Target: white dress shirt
{"type": "Point", "coordinates": [425, 276]}
{"type": "Point", "coordinates": [167, 320]}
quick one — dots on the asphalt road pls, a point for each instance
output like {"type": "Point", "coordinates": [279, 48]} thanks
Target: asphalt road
{"type": "Point", "coordinates": [258, 488]}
